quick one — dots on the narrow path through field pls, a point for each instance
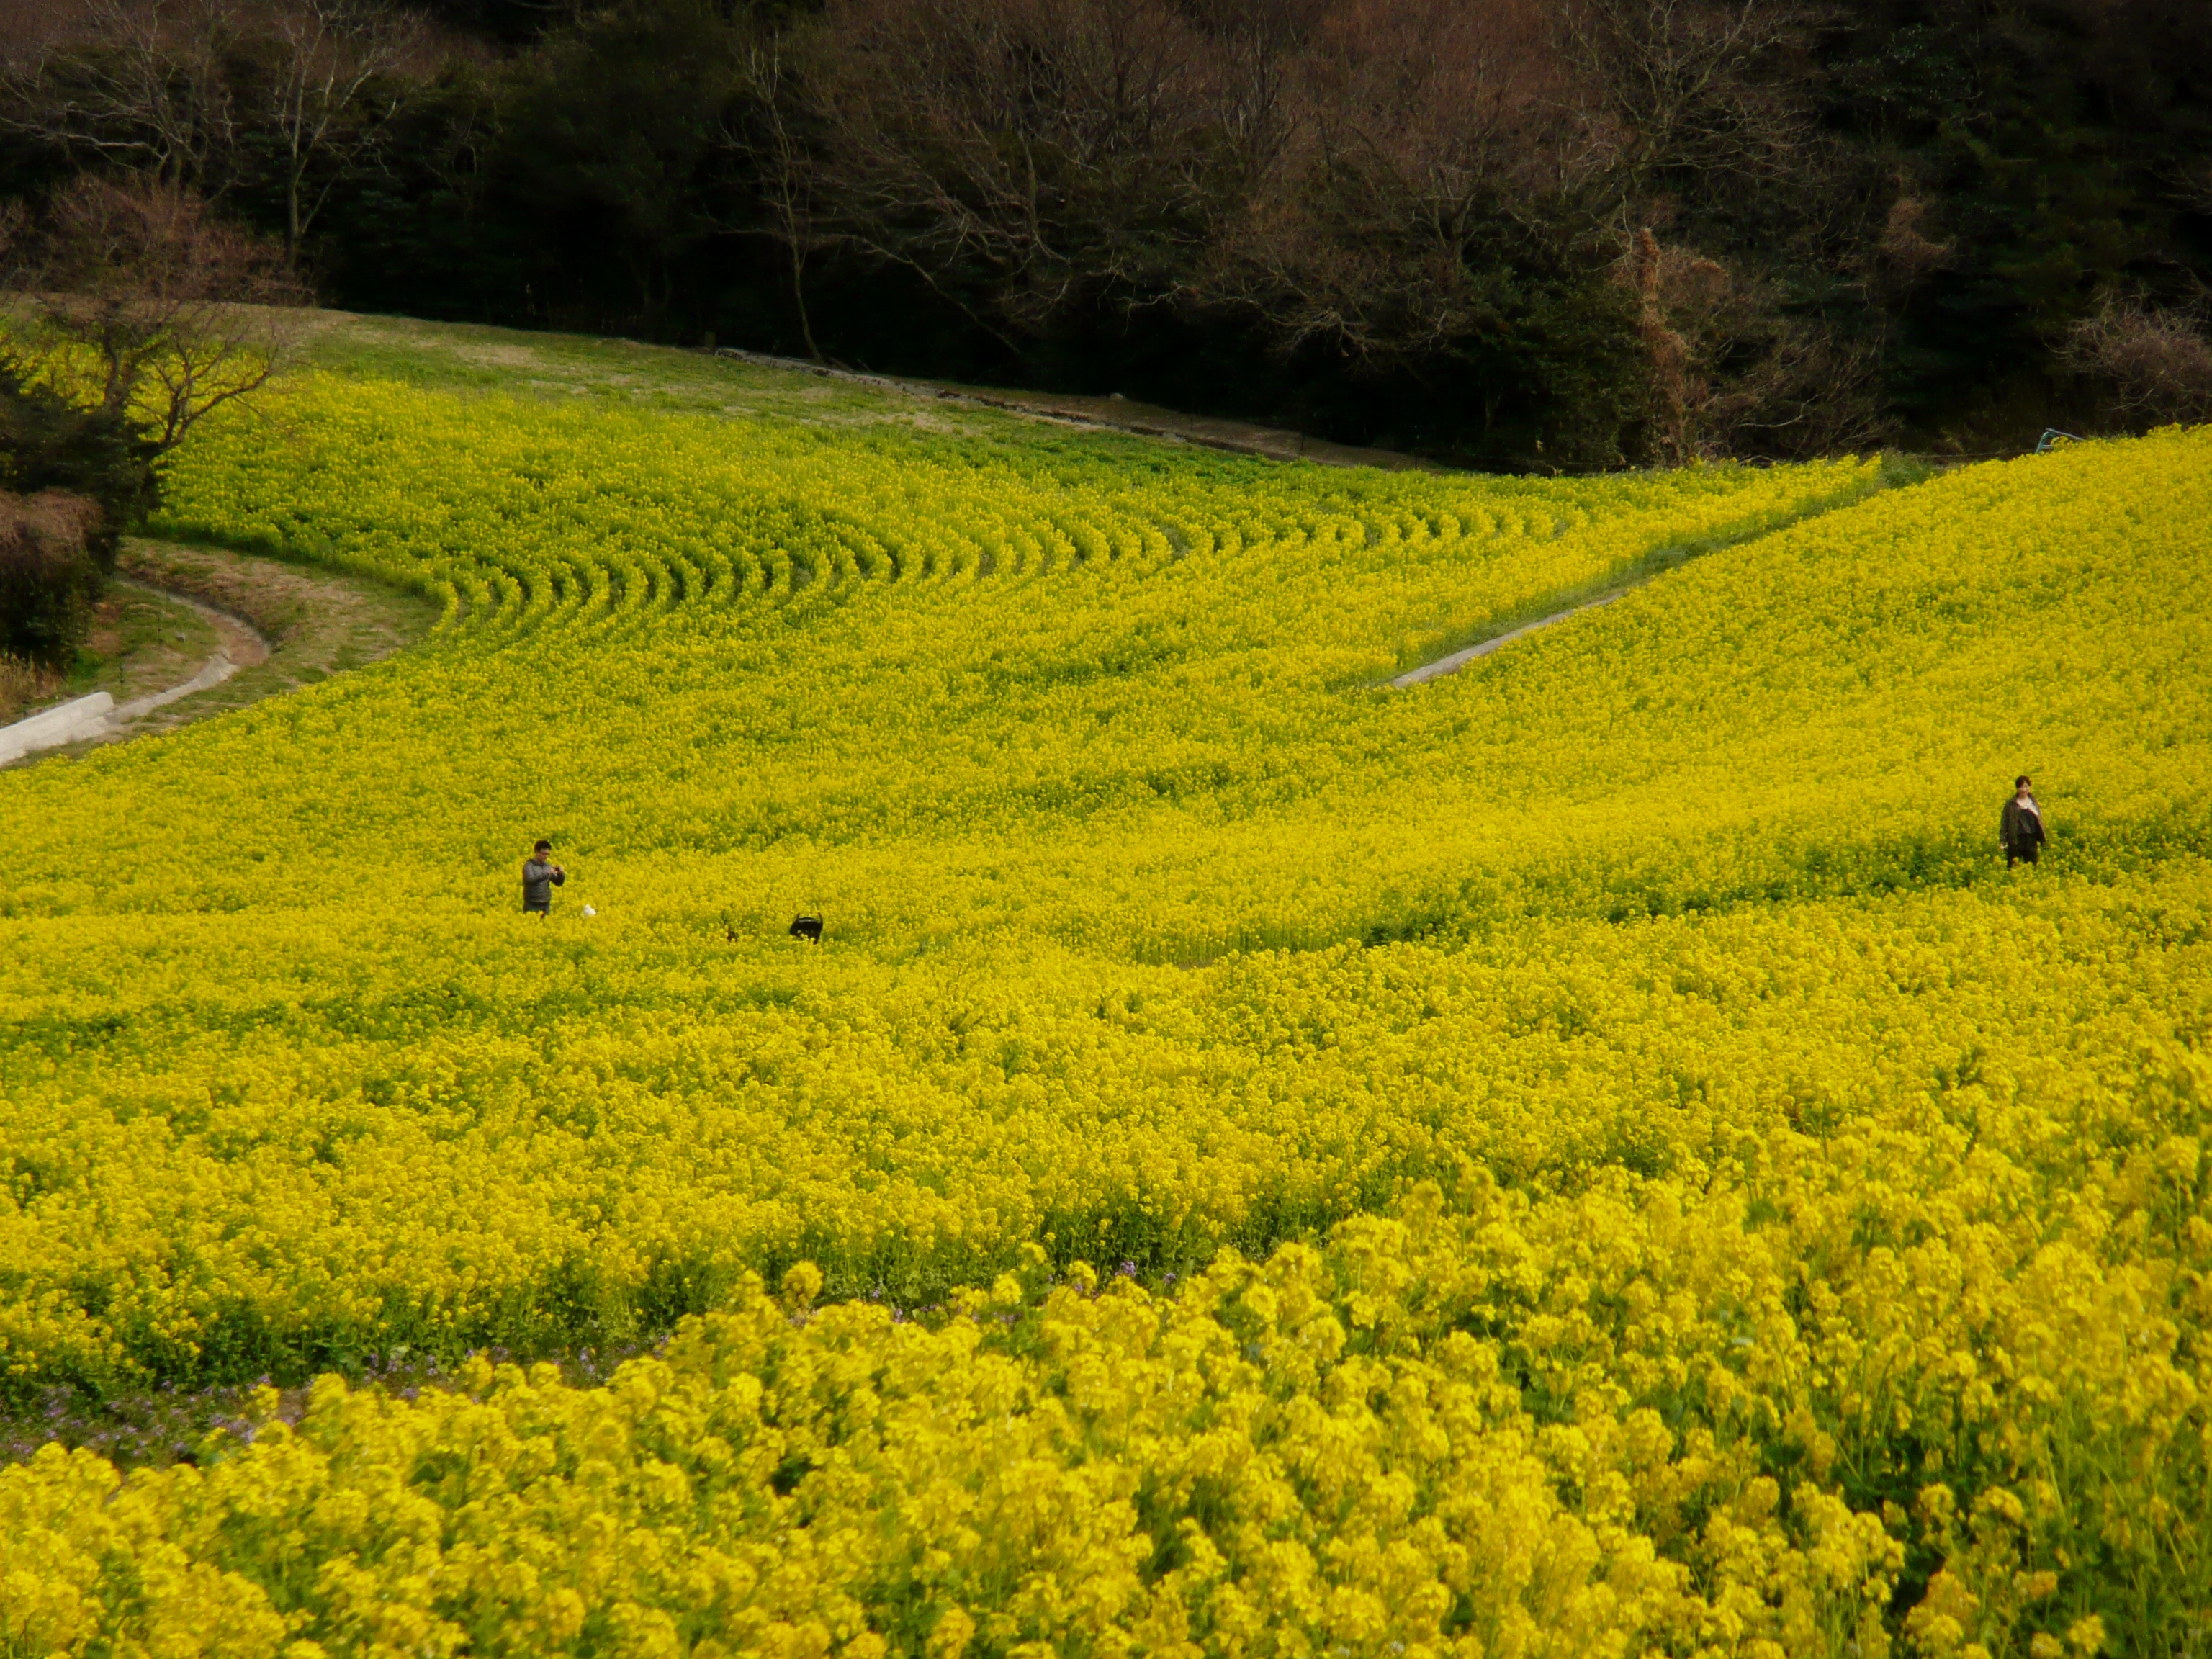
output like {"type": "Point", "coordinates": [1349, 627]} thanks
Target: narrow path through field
{"type": "Point", "coordinates": [1889, 475]}
{"type": "Point", "coordinates": [278, 627]}
{"type": "Point", "coordinates": [91, 718]}
{"type": "Point", "coordinates": [244, 646]}
{"type": "Point", "coordinates": [1466, 654]}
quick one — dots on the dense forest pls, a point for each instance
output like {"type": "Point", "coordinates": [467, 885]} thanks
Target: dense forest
{"type": "Point", "coordinates": [1547, 234]}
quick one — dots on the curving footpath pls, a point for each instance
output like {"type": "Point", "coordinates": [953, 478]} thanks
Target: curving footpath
{"type": "Point", "coordinates": [88, 719]}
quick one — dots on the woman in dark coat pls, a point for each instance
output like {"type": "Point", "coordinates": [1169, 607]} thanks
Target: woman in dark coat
{"type": "Point", "coordinates": [2021, 830]}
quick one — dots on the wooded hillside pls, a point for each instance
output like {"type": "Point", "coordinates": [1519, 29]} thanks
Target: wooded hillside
{"type": "Point", "coordinates": [1518, 233]}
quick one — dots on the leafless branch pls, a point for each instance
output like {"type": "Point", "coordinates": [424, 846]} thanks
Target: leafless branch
{"type": "Point", "coordinates": [334, 90]}
{"type": "Point", "coordinates": [1410, 130]}
{"type": "Point", "coordinates": [1057, 144]}
{"type": "Point", "coordinates": [135, 84]}
{"type": "Point", "coordinates": [2151, 365]}
{"type": "Point", "coordinates": [1679, 87]}
{"type": "Point", "coordinates": [148, 306]}
{"type": "Point", "coordinates": [783, 160]}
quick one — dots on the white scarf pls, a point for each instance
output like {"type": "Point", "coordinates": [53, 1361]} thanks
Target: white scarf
{"type": "Point", "coordinates": [2024, 799]}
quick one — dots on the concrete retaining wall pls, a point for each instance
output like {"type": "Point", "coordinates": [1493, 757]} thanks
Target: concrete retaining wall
{"type": "Point", "coordinates": [68, 722]}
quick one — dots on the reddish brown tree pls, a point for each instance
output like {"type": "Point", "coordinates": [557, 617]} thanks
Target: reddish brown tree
{"type": "Point", "coordinates": [49, 583]}
{"type": "Point", "coordinates": [1048, 147]}
{"type": "Point", "coordinates": [1408, 132]}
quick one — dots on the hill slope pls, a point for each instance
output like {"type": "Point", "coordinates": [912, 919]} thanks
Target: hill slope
{"type": "Point", "coordinates": [1757, 1215]}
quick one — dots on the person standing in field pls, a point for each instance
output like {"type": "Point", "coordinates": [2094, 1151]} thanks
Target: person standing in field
{"type": "Point", "coordinates": [540, 876]}
{"type": "Point", "coordinates": [2021, 830]}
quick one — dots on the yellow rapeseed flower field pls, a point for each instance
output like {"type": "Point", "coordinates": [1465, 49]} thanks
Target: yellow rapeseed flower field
{"type": "Point", "coordinates": [1592, 1155]}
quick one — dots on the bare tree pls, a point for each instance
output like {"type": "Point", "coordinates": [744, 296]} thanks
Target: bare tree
{"type": "Point", "coordinates": [772, 142]}
{"type": "Point", "coordinates": [1680, 88]}
{"type": "Point", "coordinates": [1052, 147]}
{"type": "Point", "coordinates": [145, 305]}
{"type": "Point", "coordinates": [2152, 366]}
{"type": "Point", "coordinates": [28, 27]}
{"type": "Point", "coordinates": [140, 85]}
{"type": "Point", "coordinates": [332, 92]}
{"type": "Point", "coordinates": [1409, 131]}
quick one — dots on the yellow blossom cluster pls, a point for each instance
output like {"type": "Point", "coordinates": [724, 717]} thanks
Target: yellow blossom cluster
{"type": "Point", "coordinates": [1624, 1422]}
{"type": "Point", "coordinates": [1592, 1154]}
{"type": "Point", "coordinates": [470, 1137]}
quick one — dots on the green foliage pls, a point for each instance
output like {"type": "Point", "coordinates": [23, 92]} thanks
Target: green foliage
{"type": "Point", "coordinates": [48, 586]}
{"type": "Point", "coordinates": [2053, 149]}
{"type": "Point", "coordinates": [54, 560]}
{"type": "Point", "coordinates": [49, 443]}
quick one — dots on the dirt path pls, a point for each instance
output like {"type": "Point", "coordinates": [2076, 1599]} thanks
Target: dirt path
{"type": "Point", "coordinates": [277, 627]}
{"type": "Point", "coordinates": [1889, 475]}
{"type": "Point", "coordinates": [154, 656]}
{"type": "Point", "coordinates": [1466, 654]}
{"type": "Point", "coordinates": [243, 647]}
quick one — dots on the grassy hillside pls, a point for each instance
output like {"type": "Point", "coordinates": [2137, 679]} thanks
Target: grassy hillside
{"type": "Point", "coordinates": [1594, 1153]}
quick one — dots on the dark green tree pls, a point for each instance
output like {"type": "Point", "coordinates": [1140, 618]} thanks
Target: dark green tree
{"type": "Point", "coordinates": [48, 443]}
{"type": "Point", "coordinates": [73, 479]}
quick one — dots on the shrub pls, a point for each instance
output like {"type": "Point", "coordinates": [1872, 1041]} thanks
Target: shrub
{"type": "Point", "coordinates": [2149, 367]}
{"type": "Point", "coordinates": [83, 476]}
{"type": "Point", "coordinates": [49, 579]}
{"type": "Point", "coordinates": [49, 443]}
{"type": "Point", "coordinates": [22, 683]}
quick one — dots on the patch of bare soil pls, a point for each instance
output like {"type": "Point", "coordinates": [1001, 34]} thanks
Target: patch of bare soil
{"type": "Point", "coordinates": [498, 356]}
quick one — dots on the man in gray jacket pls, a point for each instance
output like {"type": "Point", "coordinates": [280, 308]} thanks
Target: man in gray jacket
{"type": "Point", "coordinates": [540, 876]}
